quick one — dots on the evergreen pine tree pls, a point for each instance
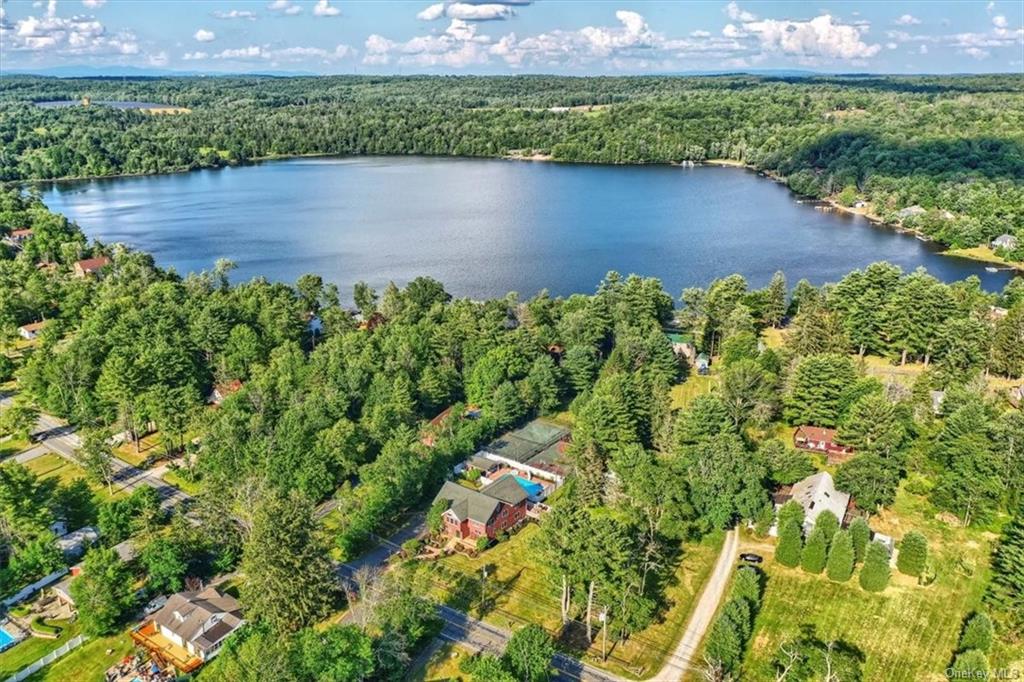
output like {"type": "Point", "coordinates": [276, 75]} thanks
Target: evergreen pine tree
{"type": "Point", "coordinates": [970, 665]}
{"type": "Point", "coordinates": [977, 633]}
{"type": "Point", "coordinates": [791, 511]}
{"type": "Point", "coordinates": [813, 558]}
{"type": "Point", "coordinates": [874, 576]}
{"type": "Point", "coordinates": [913, 554]}
{"type": "Point", "coordinates": [860, 533]}
{"type": "Point", "coordinates": [787, 552]}
{"type": "Point", "coordinates": [829, 525]}
{"type": "Point", "coordinates": [775, 300]}
{"type": "Point", "coordinates": [747, 586]}
{"type": "Point", "coordinates": [1004, 592]}
{"type": "Point", "coordinates": [840, 557]}
{"type": "Point", "coordinates": [724, 644]}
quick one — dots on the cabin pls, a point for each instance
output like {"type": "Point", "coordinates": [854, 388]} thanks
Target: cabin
{"type": "Point", "coordinates": [703, 364]}
{"type": "Point", "coordinates": [90, 266]}
{"type": "Point", "coordinates": [30, 332]}
{"type": "Point", "coordinates": [18, 237]}
{"type": "Point", "coordinates": [473, 514]}
{"type": "Point", "coordinates": [818, 439]}
{"type": "Point", "coordinates": [1005, 241]}
{"type": "Point", "coordinates": [190, 628]}
{"type": "Point", "coordinates": [816, 493]}
{"type": "Point", "coordinates": [222, 390]}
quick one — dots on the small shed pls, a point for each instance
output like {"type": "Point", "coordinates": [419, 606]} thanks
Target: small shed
{"type": "Point", "coordinates": [703, 364]}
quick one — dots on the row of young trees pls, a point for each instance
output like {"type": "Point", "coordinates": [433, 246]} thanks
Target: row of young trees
{"type": "Point", "coordinates": [895, 141]}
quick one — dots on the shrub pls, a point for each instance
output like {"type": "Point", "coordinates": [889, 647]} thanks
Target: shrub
{"type": "Point", "coordinates": [813, 558]}
{"type": "Point", "coordinates": [977, 633]}
{"type": "Point", "coordinates": [482, 543]}
{"type": "Point", "coordinates": [913, 554]}
{"type": "Point", "coordinates": [860, 533]}
{"type": "Point", "coordinates": [970, 665]}
{"type": "Point", "coordinates": [411, 548]}
{"type": "Point", "coordinates": [874, 576]}
{"type": "Point", "coordinates": [840, 557]}
{"type": "Point", "coordinates": [787, 552]}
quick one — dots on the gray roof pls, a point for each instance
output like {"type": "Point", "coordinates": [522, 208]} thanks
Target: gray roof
{"type": "Point", "coordinates": [480, 505]}
{"type": "Point", "coordinates": [203, 618]}
{"type": "Point", "coordinates": [1005, 240]}
{"type": "Point", "coordinates": [817, 493]}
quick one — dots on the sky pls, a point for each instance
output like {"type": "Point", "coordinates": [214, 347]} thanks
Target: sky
{"type": "Point", "coordinates": [580, 37]}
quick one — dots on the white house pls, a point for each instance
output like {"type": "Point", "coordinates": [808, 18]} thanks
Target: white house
{"type": "Point", "coordinates": [815, 494]}
{"type": "Point", "coordinates": [199, 621]}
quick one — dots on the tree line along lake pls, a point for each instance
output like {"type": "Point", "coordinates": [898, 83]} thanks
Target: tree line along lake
{"type": "Point", "coordinates": [485, 227]}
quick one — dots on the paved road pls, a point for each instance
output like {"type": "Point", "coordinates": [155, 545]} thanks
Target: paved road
{"type": "Point", "coordinates": [59, 437]}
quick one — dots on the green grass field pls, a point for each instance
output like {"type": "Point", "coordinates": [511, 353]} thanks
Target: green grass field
{"type": "Point", "coordinates": [88, 662]}
{"type": "Point", "coordinates": [520, 590]}
{"type": "Point", "coordinates": [31, 649]}
{"type": "Point", "coordinates": [175, 479]}
{"type": "Point", "coordinates": [53, 466]}
{"type": "Point", "coordinates": [13, 446]}
{"type": "Point", "coordinates": [695, 385]}
{"type": "Point", "coordinates": [443, 666]}
{"type": "Point", "coordinates": [907, 632]}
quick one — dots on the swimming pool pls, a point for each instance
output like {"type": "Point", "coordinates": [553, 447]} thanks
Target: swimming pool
{"type": "Point", "coordinates": [7, 640]}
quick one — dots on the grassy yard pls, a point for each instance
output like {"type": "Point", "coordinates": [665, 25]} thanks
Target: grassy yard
{"type": "Point", "coordinates": [695, 385]}
{"type": "Point", "coordinates": [520, 590]}
{"type": "Point", "coordinates": [175, 479]}
{"type": "Point", "coordinates": [148, 445]}
{"type": "Point", "coordinates": [31, 649]}
{"type": "Point", "coordinates": [980, 253]}
{"type": "Point", "coordinates": [907, 632]}
{"type": "Point", "coordinates": [12, 446]}
{"type": "Point", "coordinates": [443, 666]}
{"type": "Point", "coordinates": [87, 662]}
{"type": "Point", "coordinates": [53, 466]}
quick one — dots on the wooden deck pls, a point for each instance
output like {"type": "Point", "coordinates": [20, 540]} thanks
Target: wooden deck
{"type": "Point", "coordinates": [163, 650]}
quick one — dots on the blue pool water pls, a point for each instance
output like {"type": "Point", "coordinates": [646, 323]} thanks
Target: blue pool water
{"type": "Point", "coordinates": [6, 640]}
{"type": "Point", "coordinates": [530, 487]}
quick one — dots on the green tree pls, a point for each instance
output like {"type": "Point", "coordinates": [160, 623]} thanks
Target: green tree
{"type": "Point", "coordinates": [103, 592]}
{"type": "Point", "coordinates": [97, 457]}
{"type": "Point", "coordinates": [775, 300]}
{"type": "Point", "coordinates": [829, 525]}
{"type": "Point", "coordinates": [969, 665]}
{"type": "Point", "coordinates": [874, 575]}
{"type": "Point", "coordinates": [816, 389]}
{"type": "Point", "coordinates": [165, 565]}
{"type": "Point", "coordinates": [1005, 595]}
{"type": "Point", "coordinates": [19, 420]}
{"type": "Point", "coordinates": [872, 426]}
{"type": "Point", "coordinates": [977, 634]}
{"type": "Point", "coordinates": [913, 554]}
{"type": "Point", "coordinates": [860, 534]}
{"type": "Point", "coordinates": [840, 557]}
{"type": "Point", "coordinates": [337, 653]}
{"type": "Point", "coordinates": [724, 645]}
{"type": "Point", "coordinates": [815, 552]}
{"type": "Point", "coordinates": [790, 544]}
{"type": "Point", "coordinates": [290, 582]}
{"type": "Point", "coordinates": [528, 654]}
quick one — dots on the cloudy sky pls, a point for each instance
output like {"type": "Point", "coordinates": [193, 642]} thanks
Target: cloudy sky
{"type": "Point", "coordinates": [515, 36]}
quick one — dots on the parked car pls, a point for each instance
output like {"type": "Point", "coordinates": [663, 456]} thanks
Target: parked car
{"type": "Point", "coordinates": [751, 558]}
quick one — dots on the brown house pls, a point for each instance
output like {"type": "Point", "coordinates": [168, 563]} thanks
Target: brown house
{"type": "Point", "coordinates": [473, 514]}
{"type": "Point", "coordinates": [818, 439]}
{"type": "Point", "coordinates": [90, 266]}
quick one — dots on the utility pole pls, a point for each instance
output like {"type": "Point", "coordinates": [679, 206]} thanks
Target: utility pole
{"type": "Point", "coordinates": [604, 634]}
{"type": "Point", "coordinates": [483, 589]}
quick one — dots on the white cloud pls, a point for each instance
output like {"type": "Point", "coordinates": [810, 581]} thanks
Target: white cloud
{"type": "Point", "coordinates": [467, 11]}
{"type": "Point", "coordinates": [923, 49]}
{"type": "Point", "coordinates": [94, 4]}
{"type": "Point", "coordinates": [235, 14]}
{"type": "Point", "coordinates": [990, 6]}
{"type": "Point", "coordinates": [999, 21]}
{"type": "Point", "coordinates": [891, 46]}
{"type": "Point", "coordinates": [158, 59]}
{"type": "Point", "coordinates": [204, 36]}
{"type": "Point", "coordinates": [324, 8]}
{"type": "Point", "coordinates": [285, 7]}
{"type": "Point", "coordinates": [266, 53]}
{"type": "Point", "coordinates": [736, 14]}
{"type": "Point", "coordinates": [700, 34]}
{"type": "Point", "coordinates": [907, 20]}
{"type": "Point", "coordinates": [432, 12]}
{"type": "Point", "coordinates": [192, 56]}
{"type": "Point", "coordinates": [976, 52]}
{"type": "Point", "coordinates": [76, 35]}
{"type": "Point", "coordinates": [732, 31]}
{"type": "Point", "coordinates": [818, 37]}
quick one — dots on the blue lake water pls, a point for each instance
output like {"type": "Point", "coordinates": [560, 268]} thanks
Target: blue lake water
{"type": "Point", "coordinates": [486, 226]}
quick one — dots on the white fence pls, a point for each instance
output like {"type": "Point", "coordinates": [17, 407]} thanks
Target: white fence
{"type": "Point", "coordinates": [37, 585]}
{"type": "Point", "coordinates": [47, 659]}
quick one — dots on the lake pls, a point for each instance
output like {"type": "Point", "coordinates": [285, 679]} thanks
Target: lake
{"type": "Point", "coordinates": [484, 227]}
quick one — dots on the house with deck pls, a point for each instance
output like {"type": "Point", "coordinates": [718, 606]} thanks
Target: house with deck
{"type": "Point", "coordinates": [473, 514]}
{"type": "Point", "coordinates": [819, 439]}
{"type": "Point", "coordinates": [190, 628]}
{"type": "Point", "coordinates": [90, 266]}
{"type": "Point", "coordinates": [816, 494]}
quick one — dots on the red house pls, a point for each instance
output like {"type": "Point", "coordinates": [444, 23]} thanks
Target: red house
{"type": "Point", "coordinates": [472, 514]}
{"type": "Point", "coordinates": [91, 266]}
{"type": "Point", "coordinates": [818, 439]}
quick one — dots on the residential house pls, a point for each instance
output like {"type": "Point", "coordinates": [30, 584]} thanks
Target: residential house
{"type": "Point", "coordinates": [369, 324]}
{"type": "Point", "coordinates": [30, 331]}
{"type": "Point", "coordinates": [222, 390]}
{"type": "Point", "coordinates": [536, 450]}
{"type": "Point", "coordinates": [818, 439]}
{"type": "Point", "coordinates": [1004, 241]}
{"type": "Point", "coordinates": [74, 544]}
{"type": "Point", "coordinates": [910, 212]}
{"type": "Point", "coordinates": [190, 628]}
{"type": "Point", "coordinates": [473, 514]}
{"type": "Point", "coordinates": [18, 237]}
{"type": "Point", "coordinates": [90, 266]}
{"type": "Point", "coordinates": [682, 345]}
{"type": "Point", "coordinates": [815, 494]}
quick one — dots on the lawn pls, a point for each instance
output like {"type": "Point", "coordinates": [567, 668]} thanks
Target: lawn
{"type": "Point", "coordinates": [443, 666]}
{"type": "Point", "coordinates": [695, 385]}
{"type": "Point", "coordinates": [907, 632]}
{"type": "Point", "coordinates": [53, 466]}
{"type": "Point", "coordinates": [520, 590]}
{"type": "Point", "coordinates": [87, 662]}
{"type": "Point", "coordinates": [178, 481]}
{"type": "Point", "coordinates": [149, 445]}
{"type": "Point", "coordinates": [31, 649]}
{"type": "Point", "coordinates": [12, 446]}
{"type": "Point", "coordinates": [980, 253]}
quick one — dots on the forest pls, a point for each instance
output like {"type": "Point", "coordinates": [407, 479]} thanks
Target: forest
{"type": "Point", "coordinates": [951, 145]}
{"type": "Point", "coordinates": [337, 411]}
